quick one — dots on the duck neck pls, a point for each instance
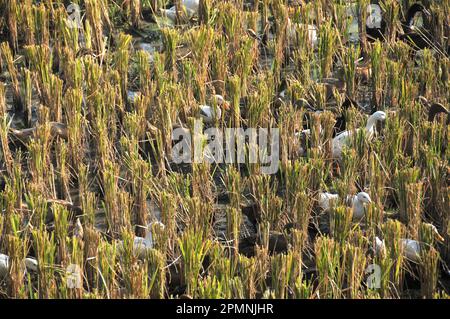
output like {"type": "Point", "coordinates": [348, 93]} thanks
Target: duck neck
{"type": "Point", "coordinates": [358, 205]}
{"type": "Point", "coordinates": [148, 237]}
{"type": "Point", "coordinates": [370, 124]}
{"type": "Point", "coordinates": [415, 8]}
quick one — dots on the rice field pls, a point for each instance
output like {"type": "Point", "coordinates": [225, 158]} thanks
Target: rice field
{"type": "Point", "coordinates": [117, 179]}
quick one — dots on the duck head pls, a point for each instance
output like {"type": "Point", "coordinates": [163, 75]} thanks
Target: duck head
{"type": "Point", "coordinates": [435, 232]}
{"type": "Point", "coordinates": [31, 264]}
{"type": "Point", "coordinates": [363, 197]}
{"type": "Point", "coordinates": [220, 101]}
{"type": "Point", "coordinates": [435, 109]}
{"type": "Point", "coordinates": [374, 118]}
{"type": "Point", "coordinates": [379, 116]}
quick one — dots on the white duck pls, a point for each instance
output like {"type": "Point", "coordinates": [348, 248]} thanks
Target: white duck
{"type": "Point", "coordinates": [357, 202]}
{"type": "Point", "coordinates": [210, 113]}
{"type": "Point", "coordinates": [310, 29]}
{"type": "Point", "coordinates": [411, 247]}
{"type": "Point", "coordinates": [190, 7]}
{"type": "Point", "coordinates": [31, 265]}
{"type": "Point", "coordinates": [142, 244]}
{"type": "Point", "coordinates": [344, 138]}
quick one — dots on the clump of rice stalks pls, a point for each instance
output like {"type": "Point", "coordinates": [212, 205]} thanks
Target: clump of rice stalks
{"type": "Point", "coordinates": [7, 156]}
{"type": "Point", "coordinates": [356, 268]}
{"type": "Point", "coordinates": [2, 99]}
{"type": "Point", "coordinates": [429, 267]}
{"type": "Point", "coordinates": [8, 57]}
{"type": "Point", "coordinates": [393, 232]}
{"type": "Point", "coordinates": [248, 274]}
{"type": "Point", "coordinates": [170, 39]}
{"type": "Point", "coordinates": [201, 44]}
{"type": "Point", "coordinates": [283, 274]}
{"type": "Point", "coordinates": [205, 11]}
{"type": "Point", "coordinates": [91, 243]}
{"type": "Point", "coordinates": [45, 248]}
{"type": "Point", "coordinates": [298, 200]}
{"type": "Point", "coordinates": [110, 189]}
{"type": "Point", "coordinates": [327, 48]}
{"type": "Point", "coordinates": [17, 249]}
{"type": "Point", "coordinates": [377, 59]}
{"type": "Point", "coordinates": [391, 10]}
{"type": "Point", "coordinates": [194, 248]}
{"type": "Point", "coordinates": [349, 63]}
{"type": "Point", "coordinates": [107, 257]}
{"type": "Point", "coordinates": [157, 274]}
{"type": "Point", "coordinates": [405, 179]}
{"type": "Point", "coordinates": [269, 203]}
{"type": "Point", "coordinates": [234, 217]}
{"type": "Point", "coordinates": [94, 12]}
{"type": "Point", "coordinates": [122, 60]}
{"type": "Point", "coordinates": [12, 15]}
{"type": "Point", "coordinates": [42, 24]}
{"type": "Point", "coordinates": [340, 223]}
{"type": "Point", "coordinates": [331, 271]}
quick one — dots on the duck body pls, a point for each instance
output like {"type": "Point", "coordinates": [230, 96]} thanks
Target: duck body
{"type": "Point", "coordinates": [31, 265]}
{"type": "Point", "coordinates": [189, 6]}
{"type": "Point", "coordinates": [419, 37]}
{"type": "Point", "coordinates": [210, 113]}
{"type": "Point", "coordinates": [344, 138]}
{"type": "Point", "coordinates": [312, 32]}
{"type": "Point", "coordinates": [357, 202]}
{"type": "Point", "coordinates": [143, 244]}
{"type": "Point", "coordinates": [326, 200]}
{"type": "Point", "coordinates": [435, 110]}
{"type": "Point", "coordinates": [4, 265]}
{"type": "Point", "coordinates": [411, 249]}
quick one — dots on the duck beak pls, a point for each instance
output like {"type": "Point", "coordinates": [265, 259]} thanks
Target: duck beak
{"type": "Point", "coordinates": [440, 238]}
